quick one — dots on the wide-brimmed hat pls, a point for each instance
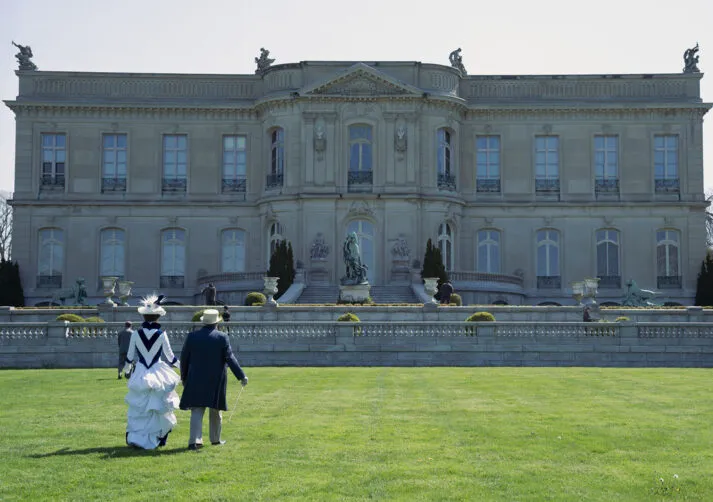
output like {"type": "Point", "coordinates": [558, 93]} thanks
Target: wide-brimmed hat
{"type": "Point", "coordinates": [151, 305]}
{"type": "Point", "coordinates": [210, 316]}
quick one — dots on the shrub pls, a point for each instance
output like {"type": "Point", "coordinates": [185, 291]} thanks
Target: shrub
{"type": "Point", "coordinates": [622, 318]}
{"type": "Point", "coordinates": [282, 265]}
{"type": "Point", "coordinates": [433, 264]}
{"type": "Point", "coordinates": [94, 318]}
{"type": "Point", "coordinates": [70, 318]}
{"type": "Point", "coordinates": [366, 301]}
{"type": "Point", "coordinates": [704, 285]}
{"type": "Point", "coordinates": [481, 317]}
{"type": "Point", "coordinates": [254, 298]}
{"type": "Point", "coordinates": [11, 293]}
{"type": "Point", "coordinates": [456, 300]}
{"type": "Point", "coordinates": [348, 317]}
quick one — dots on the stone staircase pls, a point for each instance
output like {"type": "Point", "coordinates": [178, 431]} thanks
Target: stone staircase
{"type": "Point", "coordinates": [319, 294]}
{"type": "Point", "coordinates": [393, 294]}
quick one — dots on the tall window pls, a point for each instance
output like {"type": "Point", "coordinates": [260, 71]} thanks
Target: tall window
{"type": "Point", "coordinates": [608, 258]}
{"type": "Point", "coordinates": [445, 244]}
{"type": "Point", "coordinates": [666, 163]}
{"type": "Point", "coordinates": [275, 235]}
{"type": "Point", "coordinates": [606, 164]}
{"type": "Point", "coordinates": [54, 158]}
{"type": "Point", "coordinates": [364, 230]}
{"type": "Point", "coordinates": [277, 158]}
{"type": "Point", "coordinates": [446, 175]}
{"type": "Point", "coordinates": [548, 259]}
{"type": "Point", "coordinates": [488, 258]}
{"type": "Point", "coordinates": [50, 258]}
{"type": "Point", "coordinates": [668, 257]}
{"type": "Point", "coordinates": [175, 162]}
{"type": "Point", "coordinates": [233, 247]}
{"type": "Point", "coordinates": [547, 164]}
{"type": "Point", "coordinates": [173, 258]}
{"type": "Point", "coordinates": [234, 163]}
{"type": "Point", "coordinates": [114, 163]}
{"type": "Point", "coordinates": [487, 163]}
{"type": "Point", "coordinates": [360, 176]}
{"type": "Point", "coordinates": [113, 244]}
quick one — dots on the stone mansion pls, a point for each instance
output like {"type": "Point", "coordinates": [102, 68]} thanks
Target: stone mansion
{"type": "Point", "coordinates": [525, 182]}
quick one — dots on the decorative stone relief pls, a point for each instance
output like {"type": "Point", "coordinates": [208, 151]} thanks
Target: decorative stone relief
{"type": "Point", "coordinates": [400, 249]}
{"type": "Point", "coordinates": [320, 138]}
{"type": "Point", "coordinates": [173, 220]}
{"type": "Point", "coordinates": [319, 249]}
{"type": "Point", "coordinates": [361, 84]}
{"type": "Point", "coordinates": [547, 221]}
{"type": "Point", "coordinates": [547, 128]}
{"type": "Point", "coordinates": [668, 221]}
{"type": "Point", "coordinates": [487, 128]}
{"type": "Point", "coordinates": [400, 138]}
{"type": "Point", "coordinates": [361, 208]}
{"type": "Point", "coordinates": [608, 221]}
{"type": "Point", "coordinates": [233, 220]}
{"type": "Point", "coordinates": [488, 220]}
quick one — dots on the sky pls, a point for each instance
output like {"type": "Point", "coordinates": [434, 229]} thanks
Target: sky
{"type": "Point", "coordinates": [224, 36]}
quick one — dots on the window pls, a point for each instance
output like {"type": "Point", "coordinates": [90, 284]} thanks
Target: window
{"type": "Point", "coordinates": [277, 159]}
{"type": "Point", "coordinates": [547, 178]}
{"type": "Point", "coordinates": [488, 258]}
{"type": "Point", "coordinates": [50, 258]}
{"type": "Point", "coordinates": [446, 178]}
{"type": "Point", "coordinates": [548, 259]}
{"type": "Point", "coordinates": [364, 230]}
{"type": "Point", "coordinates": [54, 158]}
{"type": "Point", "coordinates": [606, 164]}
{"type": "Point", "coordinates": [668, 259]}
{"type": "Point", "coordinates": [112, 253]}
{"type": "Point", "coordinates": [234, 162]}
{"type": "Point", "coordinates": [114, 163]}
{"type": "Point", "coordinates": [608, 258]}
{"type": "Point", "coordinates": [173, 258]}
{"type": "Point", "coordinates": [274, 237]}
{"type": "Point", "coordinates": [487, 163]}
{"type": "Point", "coordinates": [233, 247]}
{"type": "Point", "coordinates": [360, 176]}
{"type": "Point", "coordinates": [666, 163]}
{"type": "Point", "coordinates": [175, 162]}
{"type": "Point", "coordinates": [445, 244]}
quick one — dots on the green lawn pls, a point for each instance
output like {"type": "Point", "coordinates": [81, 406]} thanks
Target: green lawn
{"type": "Point", "coordinates": [374, 433]}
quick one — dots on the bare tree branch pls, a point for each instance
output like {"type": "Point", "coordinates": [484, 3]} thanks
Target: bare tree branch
{"type": "Point", "coordinates": [709, 219]}
{"type": "Point", "coordinates": [5, 228]}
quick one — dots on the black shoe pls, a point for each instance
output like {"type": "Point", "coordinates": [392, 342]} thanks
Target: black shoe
{"type": "Point", "coordinates": [219, 443]}
{"type": "Point", "coordinates": [119, 377]}
{"type": "Point", "coordinates": [195, 446]}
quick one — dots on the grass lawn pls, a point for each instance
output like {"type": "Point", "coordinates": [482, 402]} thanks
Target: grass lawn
{"type": "Point", "coordinates": [374, 433]}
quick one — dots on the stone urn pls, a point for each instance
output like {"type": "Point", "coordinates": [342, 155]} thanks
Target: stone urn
{"type": "Point", "coordinates": [578, 291]}
{"type": "Point", "coordinates": [270, 290]}
{"type": "Point", "coordinates": [430, 284]}
{"type": "Point", "coordinates": [108, 284]}
{"type": "Point", "coordinates": [124, 292]}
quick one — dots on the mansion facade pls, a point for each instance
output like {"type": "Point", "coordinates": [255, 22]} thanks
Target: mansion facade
{"type": "Point", "coordinates": [526, 183]}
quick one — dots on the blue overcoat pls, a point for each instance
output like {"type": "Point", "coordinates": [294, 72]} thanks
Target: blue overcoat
{"type": "Point", "coordinates": [205, 354]}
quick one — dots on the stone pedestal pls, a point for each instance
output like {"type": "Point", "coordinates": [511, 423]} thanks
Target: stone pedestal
{"type": "Point", "coordinates": [318, 272]}
{"type": "Point", "coordinates": [354, 293]}
{"type": "Point", "coordinates": [400, 272]}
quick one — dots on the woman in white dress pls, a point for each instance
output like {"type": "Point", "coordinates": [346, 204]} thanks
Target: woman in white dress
{"type": "Point", "coordinates": [152, 397]}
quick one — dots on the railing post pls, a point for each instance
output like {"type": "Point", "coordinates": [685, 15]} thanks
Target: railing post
{"type": "Point", "coordinates": [57, 332]}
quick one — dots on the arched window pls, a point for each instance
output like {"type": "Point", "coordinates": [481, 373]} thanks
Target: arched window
{"type": "Point", "coordinates": [360, 147]}
{"type": "Point", "coordinates": [446, 172]}
{"type": "Point", "coordinates": [275, 235]}
{"type": "Point", "coordinates": [445, 244]}
{"type": "Point", "coordinates": [364, 230]}
{"type": "Point", "coordinates": [233, 250]}
{"type": "Point", "coordinates": [548, 259]}
{"type": "Point", "coordinates": [113, 246]}
{"type": "Point", "coordinates": [173, 258]}
{"type": "Point", "coordinates": [608, 258]}
{"type": "Point", "coordinates": [277, 158]}
{"type": "Point", "coordinates": [50, 258]}
{"type": "Point", "coordinates": [668, 259]}
{"type": "Point", "coordinates": [488, 257]}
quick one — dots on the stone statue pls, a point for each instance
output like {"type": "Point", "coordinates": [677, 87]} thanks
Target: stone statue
{"type": "Point", "coordinates": [320, 138]}
{"type": "Point", "coordinates": [400, 249]}
{"type": "Point", "coordinates": [457, 61]}
{"type": "Point", "coordinates": [263, 62]}
{"type": "Point", "coordinates": [636, 297]}
{"type": "Point", "coordinates": [319, 249]}
{"type": "Point", "coordinates": [24, 57]}
{"type": "Point", "coordinates": [77, 292]}
{"type": "Point", "coordinates": [81, 292]}
{"type": "Point", "coordinates": [356, 270]}
{"type": "Point", "coordinates": [400, 141]}
{"type": "Point", "coordinates": [690, 60]}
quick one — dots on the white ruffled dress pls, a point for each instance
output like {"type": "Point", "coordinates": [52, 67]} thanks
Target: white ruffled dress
{"type": "Point", "coordinates": [152, 397]}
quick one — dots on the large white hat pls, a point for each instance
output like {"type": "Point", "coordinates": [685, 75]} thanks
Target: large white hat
{"type": "Point", "coordinates": [210, 316]}
{"type": "Point", "coordinates": [151, 305]}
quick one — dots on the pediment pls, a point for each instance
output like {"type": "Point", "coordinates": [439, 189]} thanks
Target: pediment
{"type": "Point", "coordinates": [361, 80]}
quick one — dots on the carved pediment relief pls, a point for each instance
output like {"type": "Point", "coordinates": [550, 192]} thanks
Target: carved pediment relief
{"type": "Point", "coordinates": [361, 208]}
{"type": "Point", "coordinates": [361, 80]}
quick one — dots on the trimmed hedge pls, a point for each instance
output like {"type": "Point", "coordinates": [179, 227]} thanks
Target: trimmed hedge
{"type": "Point", "coordinates": [94, 318]}
{"type": "Point", "coordinates": [70, 318]}
{"type": "Point", "coordinates": [348, 317]}
{"type": "Point", "coordinates": [255, 298]}
{"type": "Point", "coordinates": [456, 300]}
{"type": "Point", "coordinates": [481, 317]}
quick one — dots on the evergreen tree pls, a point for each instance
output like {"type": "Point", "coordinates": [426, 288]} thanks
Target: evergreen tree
{"type": "Point", "coordinates": [704, 286]}
{"type": "Point", "coordinates": [433, 264]}
{"type": "Point", "coordinates": [11, 293]}
{"type": "Point", "coordinates": [282, 265]}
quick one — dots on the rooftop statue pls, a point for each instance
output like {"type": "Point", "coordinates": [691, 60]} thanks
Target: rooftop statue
{"type": "Point", "coordinates": [636, 297]}
{"type": "Point", "coordinates": [457, 61]}
{"type": "Point", "coordinates": [24, 57]}
{"type": "Point", "coordinates": [690, 60]}
{"type": "Point", "coordinates": [356, 270]}
{"type": "Point", "coordinates": [263, 62]}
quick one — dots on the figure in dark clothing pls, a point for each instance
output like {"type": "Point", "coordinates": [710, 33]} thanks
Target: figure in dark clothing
{"type": "Point", "coordinates": [445, 293]}
{"type": "Point", "coordinates": [210, 293]}
{"type": "Point", "coordinates": [587, 316]}
{"type": "Point", "coordinates": [123, 340]}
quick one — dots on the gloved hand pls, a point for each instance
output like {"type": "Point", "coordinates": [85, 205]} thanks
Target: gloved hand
{"type": "Point", "coordinates": [244, 381]}
{"type": "Point", "coordinates": [127, 368]}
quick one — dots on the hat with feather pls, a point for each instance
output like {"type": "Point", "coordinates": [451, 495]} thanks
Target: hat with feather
{"type": "Point", "coordinates": [151, 305]}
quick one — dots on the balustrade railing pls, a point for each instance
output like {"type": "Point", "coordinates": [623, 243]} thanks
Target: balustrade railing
{"type": "Point", "coordinates": [549, 282]}
{"type": "Point", "coordinates": [49, 281]}
{"type": "Point", "coordinates": [172, 281]}
{"type": "Point", "coordinates": [606, 185]}
{"type": "Point", "coordinates": [486, 277]}
{"type": "Point", "coordinates": [113, 184]}
{"type": "Point", "coordinates": [667, 185]}
{"type": "Point", "coordinates": [446, 182]}
{"type": "Point", "coordinates": [487, 185]}
{"type": "Point", "coordinates": [231, 277]}
{"type": "Point", "coordinates": [547, 185]}
{"type": "Point", "coordinates": [669, 282]}
{"type": "Point", "coordinates": [52, 181]}
{"type": "Point", "coordinates": [235, 184]}
{"type": "Point", "coordinates": [24, 331]}
{"type": "Point", "coordinates": [609, 281]}
{"type": "Point", "coordinates": [177, 184]}
{"type": "Point", "coordinates": [360, 181]}
{"type": "Point", "coordinates": [273, 181]}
